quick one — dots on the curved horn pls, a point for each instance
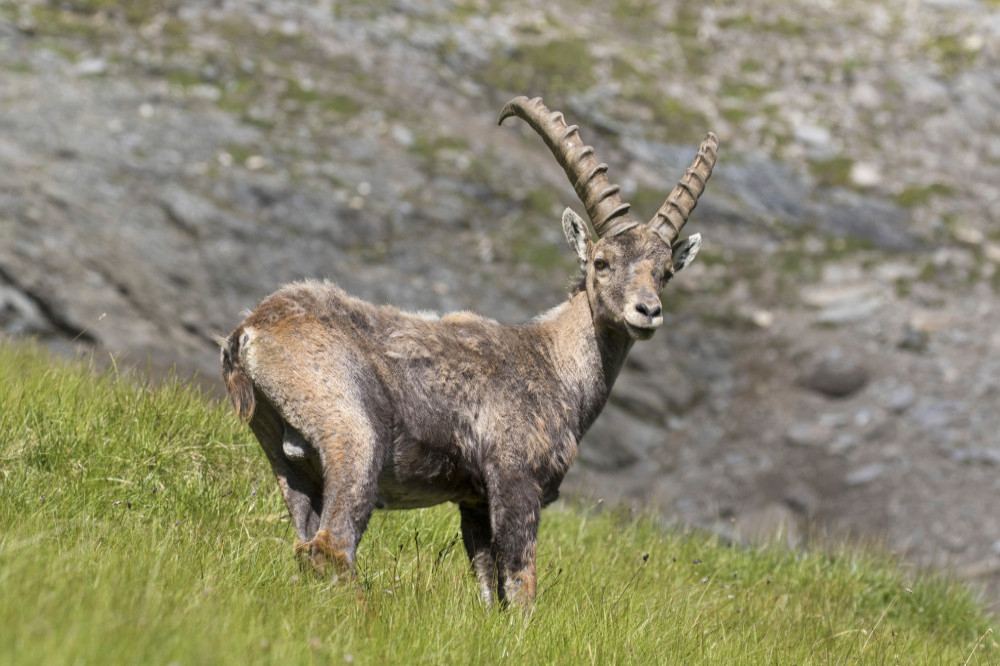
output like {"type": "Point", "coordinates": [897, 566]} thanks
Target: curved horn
{"type": "Point", "coordinates": [607, 212]}
{"type": "Point", "coordinates": [675, 211]}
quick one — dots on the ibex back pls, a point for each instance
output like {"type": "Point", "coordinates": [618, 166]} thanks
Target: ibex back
{"type": "Point", "coordinates": [361, 407]}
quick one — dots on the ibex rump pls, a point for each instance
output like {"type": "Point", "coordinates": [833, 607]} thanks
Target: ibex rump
{"type": "Point", "coordinates": [359, 407]}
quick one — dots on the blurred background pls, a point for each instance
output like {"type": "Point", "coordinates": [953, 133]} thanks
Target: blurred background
{"type": "Point", "coordinates": [829, 367]}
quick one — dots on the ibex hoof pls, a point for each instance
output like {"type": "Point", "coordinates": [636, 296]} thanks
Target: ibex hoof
{"type": "Point", "coordinates": [322, 557]}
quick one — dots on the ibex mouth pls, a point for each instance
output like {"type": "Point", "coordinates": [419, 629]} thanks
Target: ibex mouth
{"type": "Point", "coordinates": [643, 332]}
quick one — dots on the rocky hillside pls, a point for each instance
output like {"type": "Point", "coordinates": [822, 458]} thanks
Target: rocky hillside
{"type": "Point", "coordinates": [831, 362]}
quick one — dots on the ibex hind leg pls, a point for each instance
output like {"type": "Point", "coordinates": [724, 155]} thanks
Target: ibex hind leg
{"type": "Point", "coordinates": [301, 487]}
{"type": "Point", "coordinates": [351, 465]}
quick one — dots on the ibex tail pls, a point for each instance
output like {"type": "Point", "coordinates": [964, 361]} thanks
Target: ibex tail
{"type": "Point", "coordinates": [239, 385]}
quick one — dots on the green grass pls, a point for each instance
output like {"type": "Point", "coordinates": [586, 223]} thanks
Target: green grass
{"type": "Point", "coordinates": [141, 525]}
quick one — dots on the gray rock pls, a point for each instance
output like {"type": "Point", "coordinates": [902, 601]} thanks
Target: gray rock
{"type": "Point", "coordinates": [835, 375]}
{"type": "Point", "coordinates": [813, 135]}
{"type": "Point", "coordinates": [913, 339]}
{"type": "Point", "coordinates": [808, 435]}
{"type": "Point", "coordinates": [848, 312]}
{"type": "Point", "coordinates": [618, 440]}
{"type": "Point", "coordinates": [976, 455]}
{"type": "Point", "coordinates": [19, 315]}
{"type": "Point", "coordinates": [655, 395]}
{"type": "Point", "coordinates": [901, 398]}
{"type": "Point", "coordinates": [843, 443]}
{"type": "Point", "coordinates": [91, 67]}
{"type": "Point", "coordinates": [935, 415]}
{"type": "Point", "coordinates": [852, 214]}
{"type": "Point", "coordinates": [865, 474]}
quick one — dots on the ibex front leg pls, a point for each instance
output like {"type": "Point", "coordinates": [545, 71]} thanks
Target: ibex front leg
{"type": "Point", "coordinates": [514, 514]}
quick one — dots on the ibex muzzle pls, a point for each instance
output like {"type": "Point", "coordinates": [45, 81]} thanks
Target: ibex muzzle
{"type": "Point", "coordinates": [359, 407]}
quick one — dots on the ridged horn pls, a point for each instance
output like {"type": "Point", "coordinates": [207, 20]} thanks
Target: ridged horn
{"type": "Point", "coordinates": [608, 213]}
{"type": "Point", "coordinates": [677, 208]}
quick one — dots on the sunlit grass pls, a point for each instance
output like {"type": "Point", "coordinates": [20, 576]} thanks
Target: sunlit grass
{"type": "Point", "coordinates": [142, 525]}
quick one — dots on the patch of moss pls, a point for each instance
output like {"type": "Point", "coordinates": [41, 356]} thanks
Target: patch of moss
{"type": "Point", "coordinates": [852, 65]}
{"type": "Point", "coordinates": [540, 251]}
{"type": "Point", "coordinates": [366, 9]}
{"type": "Point", "coordinates": [540, 201]}
{"type": "Point", "coordinates": [182, 77]}
{"type": "Point", "coordinates": [239, 92]}
{"type": "Point", "coordinates": [927, 272]}
{"type": "Point", "coordinates": [917, 195]}
{"type": "Point", "coordinates": [686, 22]}
{"type": "Point", "coordinates": [429, 147]}
{"type": "Point", "coordinates": [301, 97]}
{"type": "Point", "coordinates": [750, 23]}
{"type": "Point", "coordinates": [175, 34]}
{"type": "Point", "coordinates": [135, 12]}
{"type": "Point", "coordinates": [697, 54]}
{"type": "Point", "coordinates": [634, 11]}
{"type": "Point", "coordinates": [832, 172]}
{"type": "Point", "coordinates": [735, 114]}
{"type": "Point", "coordinates": [462, 11]}
{"type": "Point", "coordinates": [246, 40]}
{"type": "Point", "coordinates": [295, 92]}
{"type": "Point", "coordinates": [740, 22]}
{"type": "Point", "coordinates": [951, 53]}
{"type": "Point", "coordinates": [19, 67]}
{"type": "Point", "coordinates": [60, 46]}
{"type": "Point", "coordinates": [54, 22]}
{"type": "Point", "coordinates": [646, 201]}
{"type": "Point", "coordinates": [344, 105]}
{"type": "Point", "coordinates": [672, 119]}
{"type": "Point", "coordinates": [239, 153]}
{"type": "Point", "coordinates": [558, 66]}
{"type": "Point", "coordinates": [623, 71]}
{"type": "Point", "coordinates": [742, 89]}
{"type": "Point", "coordinates": [788, 27]}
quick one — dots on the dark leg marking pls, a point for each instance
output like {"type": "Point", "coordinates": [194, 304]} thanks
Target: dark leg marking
{"type": "Point", "coordinates": [477, 536]}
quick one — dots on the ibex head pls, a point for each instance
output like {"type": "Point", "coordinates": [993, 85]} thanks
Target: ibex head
{"type": "Point", "coordinates": [628, 264]}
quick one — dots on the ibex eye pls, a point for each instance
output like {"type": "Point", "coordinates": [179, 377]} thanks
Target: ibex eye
{"type": "Point", "coordinates": [600, 264]}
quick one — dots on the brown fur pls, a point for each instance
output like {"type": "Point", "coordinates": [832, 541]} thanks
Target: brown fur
{"type": "Point", "coordinates": [359, 407]}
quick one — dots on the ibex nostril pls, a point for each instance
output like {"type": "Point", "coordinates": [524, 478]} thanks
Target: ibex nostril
{"type": "Point", "coordinates": [647, 311]}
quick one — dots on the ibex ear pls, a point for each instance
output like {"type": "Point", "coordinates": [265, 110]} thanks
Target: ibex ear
{"type": "Point", "coordinates": [685, 251]}
{"type": "Point", "coordinates": [577, 234]}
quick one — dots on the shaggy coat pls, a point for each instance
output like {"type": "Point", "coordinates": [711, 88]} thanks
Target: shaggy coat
{"type": "Point", "coordinates": [359, 407]}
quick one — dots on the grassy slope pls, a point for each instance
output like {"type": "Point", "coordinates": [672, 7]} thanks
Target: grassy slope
{"type": "Point", "coordinates": [141, 525]}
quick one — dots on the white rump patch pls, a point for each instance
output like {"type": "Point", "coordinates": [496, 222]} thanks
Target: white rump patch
{"type": "Point", "coordinates": [295, 445]}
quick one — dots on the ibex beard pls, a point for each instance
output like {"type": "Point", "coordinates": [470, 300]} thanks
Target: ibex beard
{"type": "Point", "coordinates": [360, 407]}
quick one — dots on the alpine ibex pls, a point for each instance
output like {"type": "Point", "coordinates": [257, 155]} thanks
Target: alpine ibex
{"type": "Point", "coordinates": [359, 407]}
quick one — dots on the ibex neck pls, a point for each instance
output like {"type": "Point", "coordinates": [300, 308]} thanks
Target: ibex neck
{"type": "Point", "coordinates": [586, 359]}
